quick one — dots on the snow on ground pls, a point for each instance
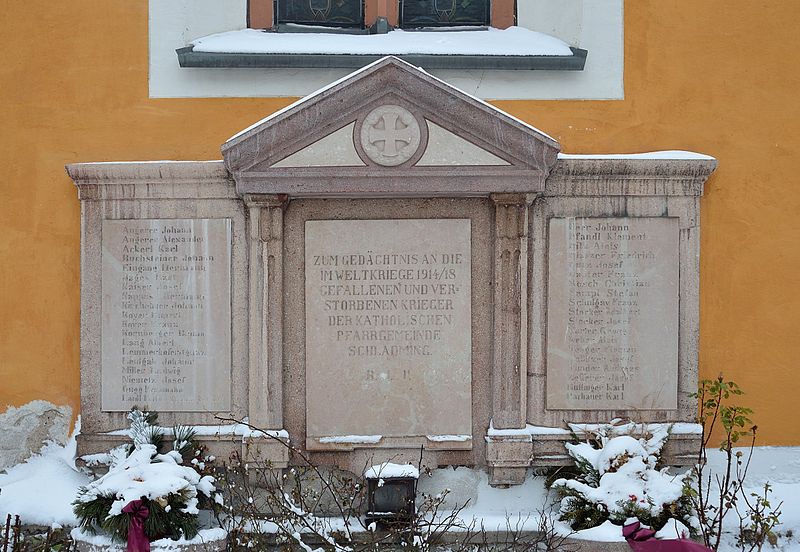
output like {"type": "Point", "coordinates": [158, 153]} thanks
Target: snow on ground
{"type": "Point", "coordinates": [163, 545]}
{"type": "Point", "coordinates": [780, 467]}
{"type": "Point", "coordinates": [42, 489]}
{"type": "Point", "coordinates": [514, 41]}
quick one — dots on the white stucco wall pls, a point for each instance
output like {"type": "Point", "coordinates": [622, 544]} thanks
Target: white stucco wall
{"type": "Point", "coordinates": [596, 25]}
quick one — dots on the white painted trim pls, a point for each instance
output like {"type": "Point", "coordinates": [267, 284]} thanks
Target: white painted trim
{"type": "Point", "coordinates": [596, 25]}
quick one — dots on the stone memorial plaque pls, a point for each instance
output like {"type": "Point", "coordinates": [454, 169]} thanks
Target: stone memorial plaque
{"type": "Point", "coordinates": [388, 327]}
{"type": "Point", "coordinates": [166, 313]}
{"type": "Point", "coordinates": [612, 314]}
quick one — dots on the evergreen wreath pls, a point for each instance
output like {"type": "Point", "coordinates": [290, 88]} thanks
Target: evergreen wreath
{"type": "Point", "coordinates": [617, 476]}
{"type": "Point", "coordinates": [171, 485]}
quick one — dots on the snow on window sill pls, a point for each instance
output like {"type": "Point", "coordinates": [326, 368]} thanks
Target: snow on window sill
{"type": "Point", "coordinates": [512, 48]}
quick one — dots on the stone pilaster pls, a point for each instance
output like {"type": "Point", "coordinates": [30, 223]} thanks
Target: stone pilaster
{"type": "Point", "coordinates": [265, 242]}
{"type": "Point", "coordinates": [510, 310]}
{"type": "Point", "coordinates": [507, 457]}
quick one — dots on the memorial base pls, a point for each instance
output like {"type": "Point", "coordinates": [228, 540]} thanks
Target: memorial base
{"type": "Point", "coordinates": [215, 545]}
{"type": "Point", "coordinates": [259, 451]}
{"type": "Point", "coordinates": [508, 459]}
{"type": "Point", "coordinates": [548, 450]}
{"type": "Point", "coordinates": [490, 537]}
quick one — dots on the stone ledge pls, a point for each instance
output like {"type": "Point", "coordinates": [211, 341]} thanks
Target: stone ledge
{"type": "Point", "coordinates": [187, 57]}
{"type": "Point", "coordinates": [370, 183]}
{"type": "Point", "coordinates": [319, 444]}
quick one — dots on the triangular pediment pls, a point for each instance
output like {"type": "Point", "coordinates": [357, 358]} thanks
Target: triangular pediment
{"type": "Point", "coordinates": [389, 120]}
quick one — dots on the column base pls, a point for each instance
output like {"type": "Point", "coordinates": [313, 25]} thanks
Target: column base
{"type": "Point", "coordinates": [508, 458]}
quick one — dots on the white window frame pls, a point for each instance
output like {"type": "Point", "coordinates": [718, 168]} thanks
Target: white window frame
{"type": "Point", "coordinates": [595, 25]}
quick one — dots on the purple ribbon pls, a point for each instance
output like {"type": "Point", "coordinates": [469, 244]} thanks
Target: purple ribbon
{"type": "Point", "coordinates": [641, 539]}
{"type": "Point", "coordinates": [137, 512]}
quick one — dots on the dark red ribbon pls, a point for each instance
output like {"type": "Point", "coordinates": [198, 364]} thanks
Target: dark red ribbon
{"type": "Point", "coordinates": [641, 539]}
{"type": "Point", "coordinates": [137, 512]}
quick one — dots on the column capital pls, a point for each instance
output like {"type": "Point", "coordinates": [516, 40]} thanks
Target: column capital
{"type": "Point", "coordinates": [266, 200]}
{"type": "Point", "coordinates": [513, 199]}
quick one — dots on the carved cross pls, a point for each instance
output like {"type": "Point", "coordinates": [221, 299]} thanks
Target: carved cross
{"type": "Point", "coordinates": [390, 135]}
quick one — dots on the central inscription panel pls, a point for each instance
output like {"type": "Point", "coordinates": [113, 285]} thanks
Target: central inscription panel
{"type": "Point", "coordinates": [388, 328]}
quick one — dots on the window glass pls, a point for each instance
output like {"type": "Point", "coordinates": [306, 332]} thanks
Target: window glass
{"type": "Point", "coordinates": [335, 13]}
{"type": "Point", "coordinates": [443, 13]}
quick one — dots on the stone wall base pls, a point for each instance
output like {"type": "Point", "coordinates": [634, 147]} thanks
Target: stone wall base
{"type": "Point", "coordinates": [499, 538]}
{"type": "Point", "coordinates": [261, 451]}
{"type": "Point", "coordinates": [172, 546]}
{"type": "Point", "coordinates": [509, 457]}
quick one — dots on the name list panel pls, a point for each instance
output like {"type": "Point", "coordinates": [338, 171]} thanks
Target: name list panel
{"type": "Point", "coordinates": [166, 313]}
{"type": "Point", "coordinates": [612, 314]}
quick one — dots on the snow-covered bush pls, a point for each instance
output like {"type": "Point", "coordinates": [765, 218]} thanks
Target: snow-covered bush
{"type": "Point", "coordinates": [170, 485]}
{"type": "Point", "coordinates": [618, 477]}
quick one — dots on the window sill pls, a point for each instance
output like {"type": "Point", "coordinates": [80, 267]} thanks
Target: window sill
{"type": "Point", "coordinates": [513, 48]}
{"type": "Point", "coordinates": [189, 58]}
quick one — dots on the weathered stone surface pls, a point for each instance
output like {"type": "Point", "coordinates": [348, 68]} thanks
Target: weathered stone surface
{"type": "Point", "coordinates": [458, 486]}
{"type": "Point", "coordinates": [166, 314]}
{"type": "Point", "coordinates": [160, 190]}
{"type": "Point", "coordinates": [612, 317]}
{"type": "Point", "coordinates": [24, 430]}
{"type": "Point", "coordinates": [253, 157]}
{"type": "Point", "coordinates": [615, 187]}
{"type": "Point", "coordinates": [388, 328]}
{"type": "Point", "coordinates": [588, 176]}
{"type": "Point", "coordinates": [509, 392]}
{"type": "Point", "coordinates": [447, 148]}
{"type": "Point", "coordinates": [548, 449]}
{"type": "Point", "coordinates": [390, 135]}
{"type": "Point", "coordinates": [216, 545]}
{"type": "Point", "coordinates": [265, 267]}
{"type": "Point", "coordinates": [308, 164]}
{"type": "Point", "coordinates": [334, 150]}
{"type": "Point", "coordinates": [164, 180]}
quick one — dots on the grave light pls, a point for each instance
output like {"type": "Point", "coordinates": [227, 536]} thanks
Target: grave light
{"type": "Point", "coordinates": [391, 493]}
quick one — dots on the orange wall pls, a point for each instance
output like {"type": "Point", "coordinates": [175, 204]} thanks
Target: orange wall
{"type": "Point", "coordinates": [717, 76]}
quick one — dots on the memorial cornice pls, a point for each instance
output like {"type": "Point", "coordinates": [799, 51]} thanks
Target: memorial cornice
{"type": "Point", "coordinates": [152, 180]}
{"type": "Point", "coordinates": [629, 175]}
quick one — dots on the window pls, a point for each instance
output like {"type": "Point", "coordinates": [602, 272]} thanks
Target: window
{"type": "Point", "coordinates": [444, 13]}
{"type": "Point", "coordinates": [334, 13]}
{"type": "Point", "coordinates": [265, 14]}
